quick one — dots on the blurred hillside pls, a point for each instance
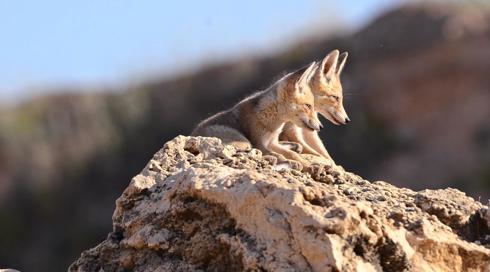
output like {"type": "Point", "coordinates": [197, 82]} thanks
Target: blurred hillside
{"type": "Point", "coordinates": [417, 90]}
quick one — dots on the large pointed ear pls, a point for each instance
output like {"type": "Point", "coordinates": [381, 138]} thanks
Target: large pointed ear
{"type": "Point", "coordinates": [341, 61]}
{"type": "Point", "coordinates": [306, 76]}
{"type": "Point", "coordinates": [329, 64]}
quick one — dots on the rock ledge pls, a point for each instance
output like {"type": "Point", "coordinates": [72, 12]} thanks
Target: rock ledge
{"type": "Point", "coordinates": [202, 206]}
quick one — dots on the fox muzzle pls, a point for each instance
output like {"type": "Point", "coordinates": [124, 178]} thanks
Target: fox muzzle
{"type": "Point", "coordinates": [336, 117]}
{"type": "Point", "coordinates": [313, 124]}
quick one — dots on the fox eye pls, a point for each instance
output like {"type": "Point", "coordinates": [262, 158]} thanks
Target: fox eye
{"type": "Point", "coordinates": [309, 106]}
{"type": "Point", "coordinates": [335, 97]}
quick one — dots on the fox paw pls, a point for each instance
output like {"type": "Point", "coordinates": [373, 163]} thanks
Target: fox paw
{"type": "Point", "coordinates": [295, 165]}
{"type": "Point", "coordinates": [296, 147]}
{"type": "Point", "coordinates": [272, 160]}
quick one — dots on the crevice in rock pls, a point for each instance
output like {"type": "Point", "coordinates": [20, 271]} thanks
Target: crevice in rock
{"type": "Point", "coordinates": [192, 149]}
{"type": "Point", "coordinates": [191, 221]}
{"type": "Point", "coordinates": [117, 234]}
{"type": "Point", "coordinates": [392, 258]}
{"type": "Point", "coordinates": [456, 210]}
{"type": "Point", "coordinates": [321, 200]}
{"type": "Point", "coordinates": [360, 246]}
{"type": "Point", "coordinates": [476, 230]}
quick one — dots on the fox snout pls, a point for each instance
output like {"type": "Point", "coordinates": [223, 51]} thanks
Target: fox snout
{"type": "Point", "coordinates": [313, 124]}
{"type": "Point", "coordinates": [342, 117]}
{"type": "Point", "coordinates": [338, 116]}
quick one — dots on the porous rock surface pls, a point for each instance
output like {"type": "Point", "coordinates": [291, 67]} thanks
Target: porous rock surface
{"type": "Point", "coordinates": [201, 206]}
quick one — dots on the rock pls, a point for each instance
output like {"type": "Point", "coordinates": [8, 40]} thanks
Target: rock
{"type": "Point", "coordinates": [452, 207]}
{"type": "Point", "coordinates": [202, 206]}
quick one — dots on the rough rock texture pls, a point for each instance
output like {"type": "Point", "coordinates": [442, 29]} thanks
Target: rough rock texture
{"type": "Point", "coordinates": [199, 205]}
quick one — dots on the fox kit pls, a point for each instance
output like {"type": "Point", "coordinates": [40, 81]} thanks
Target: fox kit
{"type": "Point", "coordinates": [259, 119]}
{"type": "Point", "coordinates": [327, 90]}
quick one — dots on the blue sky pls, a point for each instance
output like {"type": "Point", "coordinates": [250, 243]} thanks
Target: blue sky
{"type": "Point", "coordinates": [45, 44]}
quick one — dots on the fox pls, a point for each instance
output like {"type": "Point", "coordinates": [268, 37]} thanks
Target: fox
{"type": "Point", "coordinates": [328, 94]}
{"type": "Point", "coordinates": [257, 120]}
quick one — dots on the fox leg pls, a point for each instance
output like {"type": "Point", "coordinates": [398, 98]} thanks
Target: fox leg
{"type": "Point", "coordinates": [295, 134]}
{"type": "Point", "coordinates": [314, 141]}
{"type": "Point", "coordinates": [296, 147]}
{"type": "Point", "coordinates": [293, 158]}
{"type": "Point", "coordinates": [278, 158]}
{"type": "Point", "coordinates": [281, 153]}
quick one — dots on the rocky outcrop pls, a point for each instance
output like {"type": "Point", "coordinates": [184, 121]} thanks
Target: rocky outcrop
{"type": "Point", "coordinates": [200, 205]}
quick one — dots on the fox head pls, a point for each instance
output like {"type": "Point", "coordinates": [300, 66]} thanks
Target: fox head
{"type": "Point", "coordinates": [327, 88]}
{"type": "Point", "coordinates": [297, 100]}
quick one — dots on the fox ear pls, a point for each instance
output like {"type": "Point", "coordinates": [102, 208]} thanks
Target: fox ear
{"type": "Point", "coordinates": [341, 61]}
{"type": "Point", "coordinates": [306, 76]}
{"type": "Point", "coordinates": [329, 64]}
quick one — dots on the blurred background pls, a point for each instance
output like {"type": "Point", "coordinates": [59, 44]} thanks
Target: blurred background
{"type": "Point", "coordinates": [90, 90]}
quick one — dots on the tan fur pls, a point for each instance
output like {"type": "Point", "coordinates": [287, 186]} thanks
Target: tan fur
{"type": "Point", "coordinates": [259, 119]}
{"type": "Point", "coordinates": [327, 89]}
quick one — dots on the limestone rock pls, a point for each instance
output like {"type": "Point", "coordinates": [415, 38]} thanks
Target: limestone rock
{"type": "Point", "coordinates": [201, 206]}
